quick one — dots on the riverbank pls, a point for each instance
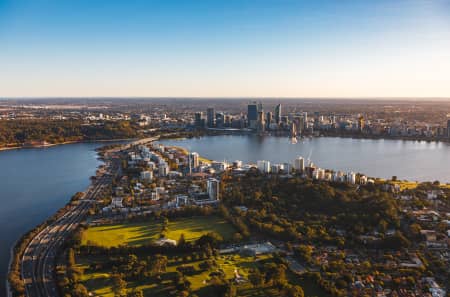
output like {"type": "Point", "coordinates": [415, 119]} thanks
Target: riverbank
{"type": "Point", "coordinates": [386, 137]}
{"type": "Point", "coordinates": [218, 132]}
{"type": "Point", "coordinates": [82, 165]}
{"type": "Point", "coordinates": [407, 160]}
{"type": "Point", "coordinates": [11, 256]}
{"type": "Point", "coordinates": [186, 152]}
{"type": "Point", "coordinates": [62, 143]}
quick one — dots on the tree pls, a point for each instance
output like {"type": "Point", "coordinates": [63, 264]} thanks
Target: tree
{"type": "Point", "coordinates": [237, 237]}
{"type": "Point", "coordinates": [304, 252]}
{"type": "Point", "coordinates": [71, 258]}
{"type": "Point", "coordinates": [211, 238]}
{"type": "Point", "coordinates": [157, 264]}
{"type": "Point", "coordinates": [119, 285]}
{"type": "Point", "coordinates": [80, 291]}
{"type": "Point", "coordinates": [256, 278]}
{"type": "Point", "coordinates": [294, 291]}
{"type": "Point", "coordinates": [181, 240]}
{"type": "Point", "coordinates": [135, 293]}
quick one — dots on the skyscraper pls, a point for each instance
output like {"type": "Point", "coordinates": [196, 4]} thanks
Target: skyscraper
{"type": "Point", "coordinates": [261, 122]}
{"type": "Point", "coordinates": [199, 122]}
{"type": "Point", "coordinates": [269, 119]}
{"type": "Point", "coordinates": [278, 114]}
{"type": "Point", "coordinates": [220, 119]}
{"type": "Point", "coordinates": [299, 123]}
{"type": "Point", "coordinates": [252, 115]}
{"type": "Point", "coordinates": [210, 117]}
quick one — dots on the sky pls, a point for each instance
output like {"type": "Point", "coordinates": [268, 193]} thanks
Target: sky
{"type": "Point", "coordinates": [225, 48]}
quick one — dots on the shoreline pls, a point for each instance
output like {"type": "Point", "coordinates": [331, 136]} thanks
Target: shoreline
{"type": "Point", "coordinates": [13, 248]}
{"type": "Point", "coordinates": [355, 136]}
{"type": "Point", "coordinates": [11, 256]}
{"type": "Point", "coordinates": [9, 292]}
{"type": "Point", "coordinates": [62, 143]}
{"type": "Point", "coordinates": [370, 137]}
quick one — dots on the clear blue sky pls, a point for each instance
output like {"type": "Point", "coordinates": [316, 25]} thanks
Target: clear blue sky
{"type": "Point", "coordinates": [246, 48]}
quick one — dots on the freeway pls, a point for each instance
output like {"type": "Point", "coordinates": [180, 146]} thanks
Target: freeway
{"type": "Point", "coordinates": [38, 263]}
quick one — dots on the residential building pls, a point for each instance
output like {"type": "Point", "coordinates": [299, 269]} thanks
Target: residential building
{"type": "Point", "coordinates": [212, 187]}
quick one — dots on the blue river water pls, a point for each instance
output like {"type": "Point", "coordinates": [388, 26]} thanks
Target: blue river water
{"type": "Point", "coordinates": [34, 184]}
{"type": "Point", "coordinates": [411, 160]}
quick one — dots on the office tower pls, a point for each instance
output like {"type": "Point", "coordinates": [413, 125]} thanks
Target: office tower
{"type": "Point", "coordinates": [316, 119]}
{"type": "Point", "coordinates": [261, 122]}
{"type": "Point", "coordinates": [220, 120]}
{"type": "Point", "coordinates": [198, 119]}
{"type": "Point", "coordinates": [252, 115]}
{"type": "Point", "coordinates": [212, 188]}
{"type": "Point", "coordinates": [210, 117]}
{"type": "Point", "coordinates": [278, 114]}
{"type": "Point", "coordinates": [263, 166]}
{"type": "Point", "coordinates": [228, 120]}
{"type": "Point", "coordinates": [299, 164]}
{"type": "Point", "coordinates": [269, 118]}
{"type": "Point", "coordinates": [299, 124]}
{"type": "Point", "coordinates": [305, 117]}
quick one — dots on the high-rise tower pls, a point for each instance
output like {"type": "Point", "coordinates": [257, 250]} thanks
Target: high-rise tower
{"type": "Point", "coordinates": [210, 117]}
{"type": "Point", "coordinates": [278, 114]}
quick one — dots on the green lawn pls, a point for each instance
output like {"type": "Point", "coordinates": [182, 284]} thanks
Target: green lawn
{"type": "Point", "coordinates": [122, 234]}
{"type": "Point", "coordinates": [194, 228]}
{"type": "Point", "coordinates": [140, 233]}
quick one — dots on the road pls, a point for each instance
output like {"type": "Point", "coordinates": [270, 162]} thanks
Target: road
{"type": "Point", "coordinates": [38, 264]}
{"type": "Point", "coordinates": [39, 258]}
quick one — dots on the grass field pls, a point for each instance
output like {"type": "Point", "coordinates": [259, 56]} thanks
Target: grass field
{"type": "Point", "coordinates": [140, 233]}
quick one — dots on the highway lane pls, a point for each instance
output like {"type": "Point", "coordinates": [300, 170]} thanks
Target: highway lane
{"type": "Point", "coordinates": [38, 265]}
{"type": "Point", "coordinates": [38, 261]}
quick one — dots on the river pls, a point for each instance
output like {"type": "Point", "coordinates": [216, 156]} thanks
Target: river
{"type": "Point", "coordinates": [411, 160]}
{"type": "Point", "coordinates": [34, 184]}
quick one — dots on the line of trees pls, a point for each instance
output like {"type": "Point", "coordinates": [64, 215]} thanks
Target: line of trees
{"type": "Point", "coordinates": [19, 132]}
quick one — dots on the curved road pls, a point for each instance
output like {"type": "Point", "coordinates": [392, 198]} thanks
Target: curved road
{"type": "Point", "coordinates": [38, 261]}
{"type": "Point", "coordinates": [38, 264]}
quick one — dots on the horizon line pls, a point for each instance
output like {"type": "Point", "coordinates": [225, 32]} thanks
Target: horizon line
{"type": "Point", "coordinates": [381, 98]}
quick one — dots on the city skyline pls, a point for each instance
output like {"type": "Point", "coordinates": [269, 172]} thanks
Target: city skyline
{"type": "Point", "coordinates": [285, 49]}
